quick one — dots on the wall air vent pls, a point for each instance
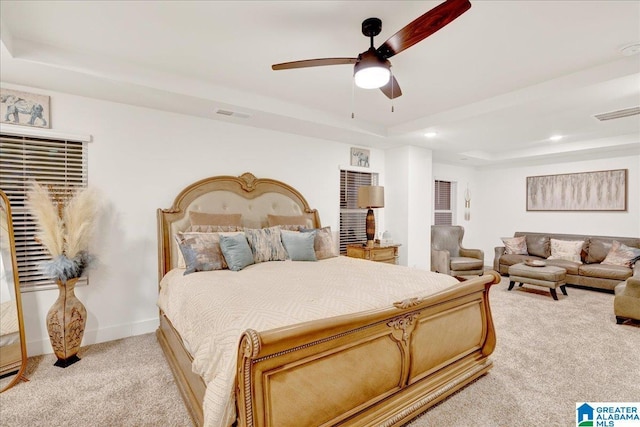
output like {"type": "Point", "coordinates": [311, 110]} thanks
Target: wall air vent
{"type": "Point", "coordinates": [633, 111]}
{"type": "Point", "coordinates": [230, 113]}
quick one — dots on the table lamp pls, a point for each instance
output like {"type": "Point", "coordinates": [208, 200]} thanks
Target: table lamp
{"type": "Point", "coordinates": [370, 196]}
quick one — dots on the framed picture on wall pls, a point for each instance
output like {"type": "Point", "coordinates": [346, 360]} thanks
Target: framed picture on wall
{"type": "Point", "coordinates": [359, 157]}
{"type": "Point", "coordinates": [24, 109]}
{"type": "Point", "coordinates": [585, 191]}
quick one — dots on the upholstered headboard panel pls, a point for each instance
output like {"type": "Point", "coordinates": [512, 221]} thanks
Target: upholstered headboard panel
{"type": "Point", "coordinates": [247, 195]}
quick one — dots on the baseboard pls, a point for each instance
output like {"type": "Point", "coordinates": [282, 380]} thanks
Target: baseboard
{"type": "Point", "coordinates": [95, 336]}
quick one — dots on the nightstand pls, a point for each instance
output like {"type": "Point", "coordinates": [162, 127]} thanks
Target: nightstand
{"type": "Point", "coordinates": [388, 254]}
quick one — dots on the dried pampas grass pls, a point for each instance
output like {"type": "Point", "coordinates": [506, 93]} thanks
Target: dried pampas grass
{"type": "Point", "coordinates": [66, 229]}
{"type": "Point", "coordinates": [51, 233]}
{"type": "Point", "coordinates": [79, 217]}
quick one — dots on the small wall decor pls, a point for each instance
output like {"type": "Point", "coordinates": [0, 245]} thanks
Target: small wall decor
{"type": "Point", "coordinates": [23, 108]}
{"type": "Point", "coordinates": [467, 205]}
{"type": "Point", "coordinates": [585, 191]}
{"type": "Point", "coordinates": [359, 157]}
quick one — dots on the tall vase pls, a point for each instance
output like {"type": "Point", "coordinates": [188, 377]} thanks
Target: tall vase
{"type": "Point", "coordinates": [66, 320]}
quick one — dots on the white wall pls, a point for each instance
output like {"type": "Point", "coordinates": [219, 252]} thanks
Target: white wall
{"type": "Point", "coordinates": [408, 211]}
{"type": "Point", "coordinates": [140, 159]}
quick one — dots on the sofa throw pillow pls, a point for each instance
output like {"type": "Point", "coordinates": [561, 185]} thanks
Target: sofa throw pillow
{"type": "Point", "coordinates": [515, 245]}
{"type": "Point", "coordinates": [621, 254]}
{"type": "Point", "coordinates": [598, 250]}
{"type": "Point", "coordinates": [200, 252]}
{"type": "Point", "coordinates": [203, 218]}
{"type": "Point", "coordinates": [323, 243]}
{"type": "Point", "coordinates": [236, 250]}
{"type": "Point", "coordinates": [538, 246]}
{"type": "Point", "coordinates": [266, 244]}
{"type": "Point", "coordinates": [299, 246]}
{"type": "Point", "coordinates": [569, 250]}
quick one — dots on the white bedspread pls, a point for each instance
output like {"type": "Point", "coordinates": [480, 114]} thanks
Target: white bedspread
{"type": "Point", "coordinates": [210, 310]}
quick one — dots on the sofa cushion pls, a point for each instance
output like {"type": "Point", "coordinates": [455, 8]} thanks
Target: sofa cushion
{"type": "Point", "coordinates": [621, 254]}
{"type": "Point", "coordinates": [570, 266]}
{"type": "Point", "coordinates": [539, 246]}
{"type": "Point", "coordinates": [569, 250]}
{"type": "Point", "coordinates": [598, 250]}
{"type": "Point", "coordinates": [465, 263]}
{"type": "Point", "coordinates": [515, 245]}
{"type": "Point", "coordinates": [603, 271]}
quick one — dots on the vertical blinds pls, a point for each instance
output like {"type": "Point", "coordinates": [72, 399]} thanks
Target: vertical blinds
{"type": "Point", "coordinates": [60, 165]}
{"type": "Point", "coordinates": [443, 214]}
{"type": "Point", "coordinates": [353, 218]}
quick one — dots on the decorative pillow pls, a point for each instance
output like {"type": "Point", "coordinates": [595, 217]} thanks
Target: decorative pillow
{"type": "Point", "coordinates": [598, 250]}
{"type": "Point", "coordinates": [621, 254]}
{"type": "Point", "coordinates": [236, 250]}
{"type": "Point", "coordinates": [566, 249]}
{"type": "Point", "coordinates": [203, 218]}
{"type": "Point", "coordinates": [515, 245]}
{"type": "Point", "coordinates": [266, 244]}
{"type": "Point", "coordinates": [323, 243]}
{"type": "Point", "coordinates": [539, 246]}
{"type": "Point", "coordinates": [286, 220]}
{"type": "Point", "coordinates": [213, 228]}
{"type": "Point", "coordinates": [200, 252]}
{"type": "Point", "coordinates": [299, 246]}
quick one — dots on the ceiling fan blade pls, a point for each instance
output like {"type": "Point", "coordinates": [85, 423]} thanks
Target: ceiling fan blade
{"type": "Point", "coordinates": [392, 89]}
{"type": "Point", "coordinates": [423, 27]}
{"type": "Point", "coordinates": [313, 63]}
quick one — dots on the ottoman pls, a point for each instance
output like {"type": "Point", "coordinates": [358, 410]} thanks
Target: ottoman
{"type": "Point", "coordinates": [548, 276]}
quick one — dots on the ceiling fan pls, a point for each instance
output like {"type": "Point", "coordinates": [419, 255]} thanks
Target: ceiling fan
{"type": "Point", "coordinates": [372, 68]}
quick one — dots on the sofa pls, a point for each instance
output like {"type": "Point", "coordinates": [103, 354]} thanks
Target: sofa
{"type": "Point", "coordinates": [587, 270]}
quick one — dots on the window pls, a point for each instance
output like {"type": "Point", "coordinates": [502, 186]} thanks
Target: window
{"type": "Point", "coordinates": [443, 202]}
{"type": "Point", "coordinates": [59, 164]}
{"type": "Point", "coordinates": [352, 218]}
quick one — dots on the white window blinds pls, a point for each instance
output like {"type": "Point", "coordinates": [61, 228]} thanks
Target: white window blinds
{"type": "Point", "coordinates": [443, 212]}
{"type": "Point", "coordinates": [60, 165]}
{"type": "Point", "coordinates": [353, 218]}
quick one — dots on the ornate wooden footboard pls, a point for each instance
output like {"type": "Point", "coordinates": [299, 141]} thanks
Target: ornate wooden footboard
{"type": "Point", "coordinates": [374, 368]}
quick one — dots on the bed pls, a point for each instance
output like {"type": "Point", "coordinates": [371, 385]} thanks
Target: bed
{"type": "Point", "coordinates": [356, 358]}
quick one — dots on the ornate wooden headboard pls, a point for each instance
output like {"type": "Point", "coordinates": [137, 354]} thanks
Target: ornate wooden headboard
{"type": "Point", "coordinates": [254, 198]}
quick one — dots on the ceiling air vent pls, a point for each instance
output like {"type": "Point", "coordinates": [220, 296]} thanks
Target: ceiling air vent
{"type": "Point", "coordinates": [230, 113]}
{"type": "Point", "coordinates": [633, 111]}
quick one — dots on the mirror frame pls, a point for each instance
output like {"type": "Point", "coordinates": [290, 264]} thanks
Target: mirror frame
{"type": "Point", "coordinates": [16, 283]}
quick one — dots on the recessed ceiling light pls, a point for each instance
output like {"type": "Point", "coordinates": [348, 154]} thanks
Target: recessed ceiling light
{"type": "Point", "coordinates": [431, 134]}
{"type": "Point", "coordinates": [555, 138]}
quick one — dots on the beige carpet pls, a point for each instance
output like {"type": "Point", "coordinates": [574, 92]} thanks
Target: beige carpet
{"type": "Point", "coordinates": [550, 355]}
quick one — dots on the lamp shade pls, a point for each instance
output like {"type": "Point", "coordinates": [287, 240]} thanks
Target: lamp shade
{"type": "Point", "coordinates": [371, 196]}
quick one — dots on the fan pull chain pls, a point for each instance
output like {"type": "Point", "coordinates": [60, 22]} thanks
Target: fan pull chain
{"type": "Point", "coordinates": [392, 85]}
{"type": "Point", "coordinates": [353, 95]}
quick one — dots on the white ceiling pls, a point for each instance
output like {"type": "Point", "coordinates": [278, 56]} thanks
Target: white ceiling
{"type": "Point", "coordinates": [494, 84]}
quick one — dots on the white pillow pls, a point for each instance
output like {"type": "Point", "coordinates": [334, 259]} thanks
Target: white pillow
{"type": "Point", "coordinates": [566, 249]}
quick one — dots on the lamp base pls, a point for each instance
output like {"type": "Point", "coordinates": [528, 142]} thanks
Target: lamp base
{"type": "Point", "coordinates": [370, 243]}
{"type": "Point", "coordinates": [370, 226]}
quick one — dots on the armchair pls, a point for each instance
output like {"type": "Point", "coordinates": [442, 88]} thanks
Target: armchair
{"type": "Point", "coordinates": [449, 257]}
{"type": "Point", "coordinates": [626, 303]}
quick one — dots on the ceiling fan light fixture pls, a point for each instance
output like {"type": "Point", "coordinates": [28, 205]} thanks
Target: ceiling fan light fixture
{"type": "Point", "coordinates": [371, 72]}
{"type": "Point", "coordinates": [372, 77]}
